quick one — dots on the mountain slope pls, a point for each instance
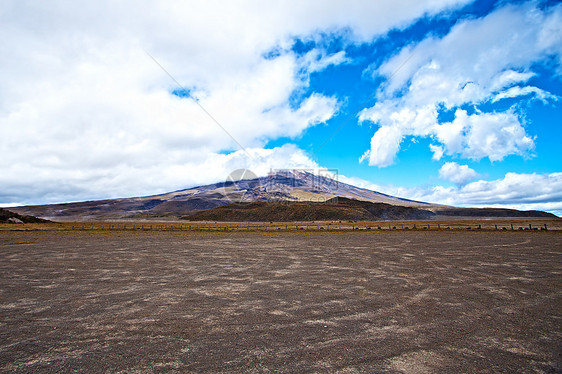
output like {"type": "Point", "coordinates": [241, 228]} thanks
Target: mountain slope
{"type": "Point", "coordinates": [282, 187]}
{"type": "Point", "coordinates": [333, 210]}
{"type": "Point", "coordinates": [291, 186]}
{"type": "Point", "coordinates": [7, 216]}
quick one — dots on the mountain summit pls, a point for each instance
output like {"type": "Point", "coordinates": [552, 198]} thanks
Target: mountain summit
{"type": "Point", "coordinates": [299, 185]}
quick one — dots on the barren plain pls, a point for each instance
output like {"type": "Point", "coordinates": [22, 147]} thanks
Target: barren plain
{"type": "Point", "coordinates": [303, 301]}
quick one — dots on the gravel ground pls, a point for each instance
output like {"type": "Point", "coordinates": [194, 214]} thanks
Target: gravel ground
{"type": "Point", "coordinates": [412, 302]}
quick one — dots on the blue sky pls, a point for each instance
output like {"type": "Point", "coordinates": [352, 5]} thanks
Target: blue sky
{"type": "Point", "coordinates": [448, 101]}
{"type": "Point", "coordinates": [343, 139]}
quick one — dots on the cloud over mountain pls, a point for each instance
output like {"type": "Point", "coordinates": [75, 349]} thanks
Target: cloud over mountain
{"type": "Point", "coordinates": [85, 112]}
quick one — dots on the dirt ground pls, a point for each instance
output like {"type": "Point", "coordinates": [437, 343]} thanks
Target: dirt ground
{"type": "Point", "coordinates": [370, 301]}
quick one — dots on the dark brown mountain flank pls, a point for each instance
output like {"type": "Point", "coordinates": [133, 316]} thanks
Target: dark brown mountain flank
{"type": "Point", "coordinates": [331, 210]}
{"type": "Point", "coordinates": [7, 216]}
{"type": "Point", "coordinates": [493, 212]}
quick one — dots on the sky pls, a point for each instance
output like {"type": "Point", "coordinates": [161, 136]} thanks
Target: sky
{"type": "Point", "coordinates": [446, 101]}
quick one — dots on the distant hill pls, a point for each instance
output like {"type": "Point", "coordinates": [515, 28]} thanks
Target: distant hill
{"type": "Point", "coordinates": [7, 216]}
{"type": "Point", "coordinates": [332, 210]}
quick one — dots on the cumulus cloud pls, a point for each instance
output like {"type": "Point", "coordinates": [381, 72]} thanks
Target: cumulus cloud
{"type": "Point", "coordinates": [437, 151]}
{"type": "Point", "coordinates": [458, 174]}
{"type": "Point", "coordinates": [519, 191]}
{"type": "Point", "coordinates": [35, 185]}
{"type": "Point", "coordinates": [478, 61]}
{"type": "Point", "coordinates": [515, 191]}
{"type": "Point", "coordinates": [492, 135]}
{"type": "Point", "coordinates": [86, 113]}
{"type": "Point", "coordinates": [384, 146]}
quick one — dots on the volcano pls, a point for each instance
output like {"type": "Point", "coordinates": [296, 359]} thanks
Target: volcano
{"type": "Point", "coordinates": [306, 189]}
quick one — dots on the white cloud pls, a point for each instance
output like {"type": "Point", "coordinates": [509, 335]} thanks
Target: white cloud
{"type": "Point", "coordinates": [517, 191]}
{"type": "Point", "coordinates": [382, 152]}
{"type": "Point", "coordinates": [510, 77]}
{"type": "Point", "coordinates": [458, 174]}
{"type": "Point", "coordinates": [492, 135]}
{"type": "Point", "coordinates": [517, 91]}
{"type": "Point", "coordinates": [437, 152]}
{"type": "Point", "coordinates": [514, 191]}
{"type": "Point", "coordinates": [478, 61]}
{"type": "Point", "coordinates": [316, 60]}
{"type": "Point", "coordinates": [84, 112]}
{"type": "Point", "coordinates": [55, 185]}
{"type": "Point", "coordinates": [7, 205]}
